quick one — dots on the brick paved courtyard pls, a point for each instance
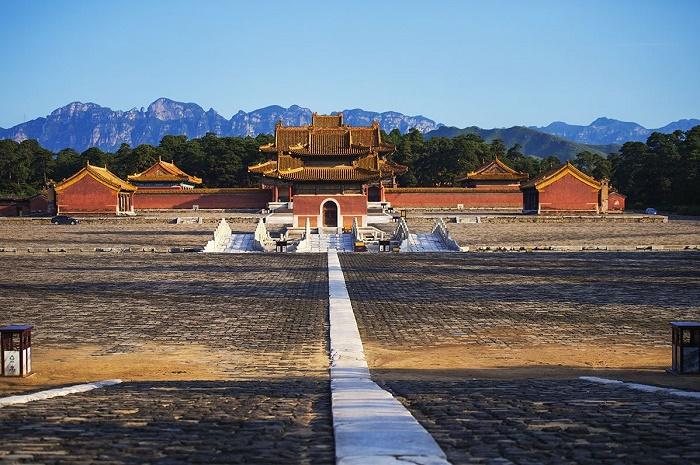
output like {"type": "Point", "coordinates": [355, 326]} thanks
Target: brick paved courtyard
{"type": "Point", "coordinates": [89, 234]}
{"type": "Point", "coordinates": [231, 354]}
{"type": "Point", "coordinates": [259, 324]}
{"type": "Point", "coordinates": [482, 407]}
{"type": "Point", "coordinates": [557, 422]}
{"type": "Point", "coordinates": [264, 313]}
{"type": "Point", "coordinates": [424, 300]}
{"type": "Point", "coordinates": [258, 422]}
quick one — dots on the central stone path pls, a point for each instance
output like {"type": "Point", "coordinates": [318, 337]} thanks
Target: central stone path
{"type": "Point", "coordinates": [370, 426]}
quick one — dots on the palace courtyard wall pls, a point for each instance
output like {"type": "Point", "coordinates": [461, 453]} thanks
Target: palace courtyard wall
{"type": "Point", "coordinates": [412, 197]}
{"type": "Point", "coordinates": [252, 198]}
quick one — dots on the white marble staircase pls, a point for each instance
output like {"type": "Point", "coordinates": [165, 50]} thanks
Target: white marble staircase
{"type": "Point", "coordinates": [326, 242]}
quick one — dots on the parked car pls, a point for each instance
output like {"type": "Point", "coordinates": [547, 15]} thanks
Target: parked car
{"type": "Point", "coordinates": [650, 211]}
{"type": "Point", "coordinates": [63, 219]}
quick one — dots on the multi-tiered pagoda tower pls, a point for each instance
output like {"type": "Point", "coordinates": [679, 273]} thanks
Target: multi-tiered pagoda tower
{"type": "Point", "coordinates": [325, 170]}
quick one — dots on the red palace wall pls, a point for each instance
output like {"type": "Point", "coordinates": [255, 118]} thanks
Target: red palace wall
{"type": "Point", "coordinates": [38, 204]}
{"type": "Point", "coordinates": [616, 202]}
{"type": "Point", "coordinates": [205, 198]}
{"type": "Point", "coordinates": [9, 209]}
{"type": "Point", "coordinates": [309, 206]}
{"type": "Point", "coordinates": [87, 196]}
{"type": "Point", "coordinates": [450, 197]}
{"type": "Point", "coordinates": [568, 194]}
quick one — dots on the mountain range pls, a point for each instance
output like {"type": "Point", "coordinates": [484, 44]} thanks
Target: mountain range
{"type": "Point", "coordinates": [532, 141]}
{"type": "Point", "coordinates": [611, 131]}
{"type": "Point", "coordinates": [83, 125]}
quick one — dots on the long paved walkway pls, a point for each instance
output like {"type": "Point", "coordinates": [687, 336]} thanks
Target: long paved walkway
{"type": "Point", "coordinates": [371, 427]}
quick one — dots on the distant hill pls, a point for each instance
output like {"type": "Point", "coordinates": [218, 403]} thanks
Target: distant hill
{"type": "Point", "coordinates": [83, 125]}
{"type": "Point", "coordinates": [611, 131]}
{"type": "Point", "coordinates": [533, 142]}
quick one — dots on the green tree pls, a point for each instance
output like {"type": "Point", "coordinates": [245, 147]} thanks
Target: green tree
{"type": "Point", "coordinates": [593, 164]}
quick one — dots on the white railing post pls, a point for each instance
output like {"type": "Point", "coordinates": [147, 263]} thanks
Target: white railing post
{"type": "Point", "coordinates": [443, 233]}
{"type": "Point", "coordinates": [356, 233]}
{"type": "Point", "coordinates": [221, 239]}
{"type": "Point", "coordinates": [262, 236]}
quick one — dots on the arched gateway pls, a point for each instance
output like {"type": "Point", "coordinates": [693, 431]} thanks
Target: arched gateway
{"type": "Point", "coordinates": [330, 214]}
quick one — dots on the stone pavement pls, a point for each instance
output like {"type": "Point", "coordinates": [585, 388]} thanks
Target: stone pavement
{"type": "Point", "coordinates": [210, 422]}
{"type": "Point", "coordinates": [557, 422]}
{"type": "Point", "coordinates": [275, 408]}
{"type": "Point", "coordinates": [428, 300]}
{"type": "Point", "coordinates": [270, 307]}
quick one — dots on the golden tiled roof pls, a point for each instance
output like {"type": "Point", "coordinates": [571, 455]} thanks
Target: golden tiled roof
{"type": "Point", "coordinates": [298, 151]}
{"type": "Point", "coordinates": [495, 170]}
{"type": "Point", "coordinates": [369, 168]}
{"type": "Point", "coordinates": [264, 167]}
{"type": "Point", "coordinates": [334, 173]}
{"type": "Point", "coordinates": [553, 175]}
{"type": "Point", "coordinates": [327, 135]}
{"type": "Point", "coordinates": [327, 121]}
{"type": "Point", "coordinates": [101, 175]}
{"type": "Point", "coordinates": [165, 172]}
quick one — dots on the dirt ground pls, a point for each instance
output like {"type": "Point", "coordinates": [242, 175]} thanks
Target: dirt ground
{"type": "Point", "coordinates": [56, 366]}
{"type": "Point", "coordinates": [625, 363]}
{"type": "Point", "coordinates": [89, 235]}
{"type": "Point", "coordinates": [677, 231]}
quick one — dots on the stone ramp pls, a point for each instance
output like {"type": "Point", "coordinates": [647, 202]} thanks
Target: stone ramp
{"type": "Point", "coordinates": [426, 242]}
{"type": "Point", "coordinates": [249, 422]}
{"type": "Point", "coordinates": [241, 243]}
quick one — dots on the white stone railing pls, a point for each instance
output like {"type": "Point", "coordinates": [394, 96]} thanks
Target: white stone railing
{"type": "Point", "coordinates": [262, 238]}
{"type": "Point", "coordinates": [222, 238]}
{"type": "Point", "coordinates": [356, 233]}
{"type": "Point", "coordinates": [402, 234]}
{"type": "Point", "coordinates": [304, 244]}
{"type": "Point", "coordinates": [440, 229]}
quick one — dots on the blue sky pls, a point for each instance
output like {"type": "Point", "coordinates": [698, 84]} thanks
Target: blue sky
{"type": "Point", "coordinates": [491, 64]}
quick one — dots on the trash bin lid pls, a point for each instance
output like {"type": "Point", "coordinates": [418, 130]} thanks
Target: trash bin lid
{"type": "Point", "coordinates": [686, 324]}
{"type": "Point", "coordinates": [16, 328]}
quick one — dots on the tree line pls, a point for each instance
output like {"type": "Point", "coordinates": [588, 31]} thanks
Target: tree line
{"type": "Point", "coordinates": [26, 167]}
{"type": "Point", "coordinates": [663, 172]}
